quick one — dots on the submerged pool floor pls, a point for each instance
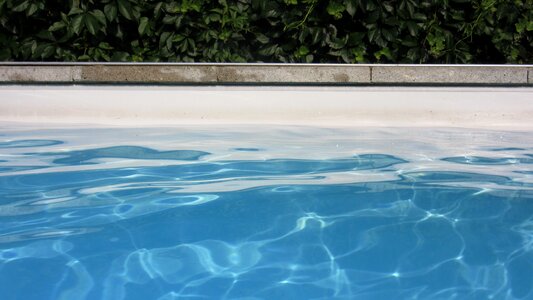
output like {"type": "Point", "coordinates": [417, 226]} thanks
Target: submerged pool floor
{"type": "Point", "coordinates": [229, 212]}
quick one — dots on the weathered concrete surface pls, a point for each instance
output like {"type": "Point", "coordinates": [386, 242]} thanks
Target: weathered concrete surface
{"type": "Point", "coordinates": [224, 74]}
{"type": "Point", "coordinates": [39, 73]}
{"type": "Point", "coordinates": [148, 74]}
{"type": "Point", "coordinates": [201, 73]}
{"type": "Point", "coordinates": [450, 74]}
{"type": "Point", "coordinates": [294, 74]}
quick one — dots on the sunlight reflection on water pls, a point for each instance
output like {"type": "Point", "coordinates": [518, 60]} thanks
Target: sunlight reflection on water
{"type": "Point", "coordinates": [266, 213]}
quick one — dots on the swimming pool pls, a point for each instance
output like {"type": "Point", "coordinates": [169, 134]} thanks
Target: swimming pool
{"type": "Point", "coordinates": [265, 212]}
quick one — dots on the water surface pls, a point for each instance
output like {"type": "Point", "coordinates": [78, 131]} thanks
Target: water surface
{"type": "Point", "coordinates": [265, 213]}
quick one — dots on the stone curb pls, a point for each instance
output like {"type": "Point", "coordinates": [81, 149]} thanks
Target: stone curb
{"type": "Point", "coordinates": [264, 74]}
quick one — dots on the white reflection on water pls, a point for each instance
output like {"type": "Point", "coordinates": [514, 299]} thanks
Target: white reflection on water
{"type": "Point", "coordinates": [266, 213]}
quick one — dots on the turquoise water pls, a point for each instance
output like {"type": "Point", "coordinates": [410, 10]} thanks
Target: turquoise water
{"type": "Point", "coordinates": [265, 213]}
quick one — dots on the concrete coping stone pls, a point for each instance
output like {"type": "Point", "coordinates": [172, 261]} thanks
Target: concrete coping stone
{"type": "Point", "coordinates": [263, 74]}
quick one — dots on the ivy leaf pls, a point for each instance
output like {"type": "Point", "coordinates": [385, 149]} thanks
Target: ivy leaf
{"type": "Point", "coordinates": [373, 34]}
{"type": "Point", "coordinates": [74, 4]}
{"type": "Point", "coordinates": [48, 51]}
{"type": "Point", "coordinates": [99, 15]}
{"type": "Point", "coordinates": [413, 55]}
{"type": "Point", "coordinates": [412, 27]}
{"type": "Point", "coordinates": [302, 51]}
{"type": "Point", "coordinates": [411, 7]}
{"type": "Point", "coordinates": [37, 52]}
{"type": "Point", "coordinates": [383, 52]}
{"type": "Point", "coordinates": [268, 50]}
{"type": "Point", "coordinates": [56, 26]}
{"type": "Point", "coordinates": [45, 35]}
{"type": "Point", "coordinates": [21, 6]}
{"type": "Point", "coordinates": [32, 9]}
{"type": "Point", "coordinates": [143, 25]}
{"type": "Point", "coordinates": [388, 7]}
{"type": "Point", "coordinates": [158, 10]}
{"type": "Point", "coordinates": [75, 11]}
{"type": "Point", "coordinates": [77, 24]}
{"type": "Point", "coordinates": [105, 46]}
{"type": "Point", "coordinates": [351, 7]}
{"type": "Point", "coordinates": [261, 38]}
{"type": "Point", "coordinates": [178, 38]}
{"type": "Point", "coordinates": [163, 39]}
{"type": "Point", "coordinates": [192, 44]}
{"type": "Point", "coordinates": [124, 8]}
{"type": "Point", "coordinates": [110, 11]}
{"type": "Point", "coordinates": [92, 23]}
{"type": "Point", "coordinates": [370, 5]}
{"type": "Point", "coordinates": [409, 42]}
{"type": "Point", "coordinates": [529, 26]}
{"type": "Point", "coordinates": [84, 57]}
{"type": "Point", "coordinates": [419, 17]}
{"type": "Point", "coordinates": [388, 34]}
{"type": "Point", "coordinates": [335, 9]}
{"type": "Point", "coordinates": [169, 19]}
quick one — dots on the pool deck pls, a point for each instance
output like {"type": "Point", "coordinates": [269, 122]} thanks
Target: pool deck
{"type": "Point", "coordinates": [265, 74]}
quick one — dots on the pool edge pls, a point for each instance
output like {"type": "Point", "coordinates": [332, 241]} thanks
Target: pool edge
{"type": "Point", "coordinates": [264, 74]}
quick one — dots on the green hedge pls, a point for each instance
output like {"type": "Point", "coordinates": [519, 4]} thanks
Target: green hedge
{"type": "Point", "coordinates": [344, 31]}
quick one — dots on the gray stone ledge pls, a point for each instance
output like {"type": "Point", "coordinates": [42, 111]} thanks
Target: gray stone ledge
{"type": "Point", "coordinates": [450, 74]}
{"type": "Point", "coordinates": [147, 74]}
{"type": "Point", "coordinates": [208, 73]}
{"type": "Point", "coordinates": [39, 73]}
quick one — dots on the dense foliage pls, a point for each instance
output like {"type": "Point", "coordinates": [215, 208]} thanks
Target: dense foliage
{"type": "Point", "coordinates": [348, 31]}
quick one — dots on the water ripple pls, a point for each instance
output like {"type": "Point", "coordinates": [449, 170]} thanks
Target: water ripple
{"type": "Point", "coordinates": [477, 160]}
{"type": "Point", "coordinates": [300, 213]}
{"type": "Point", "coordinates": [29, 143]}
{"type": "Point", "coordinates": [125, 152]}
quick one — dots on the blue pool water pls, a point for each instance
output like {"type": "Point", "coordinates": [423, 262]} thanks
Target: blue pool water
{"type": "Point", "coordinates": [265, 213]}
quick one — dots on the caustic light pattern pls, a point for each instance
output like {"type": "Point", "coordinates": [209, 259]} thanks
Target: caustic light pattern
{"type": "Point", "coordinates": [265, 213]}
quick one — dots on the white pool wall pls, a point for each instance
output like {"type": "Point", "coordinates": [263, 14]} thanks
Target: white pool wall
{"type": "Point", "coordinates": [483, 107]}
